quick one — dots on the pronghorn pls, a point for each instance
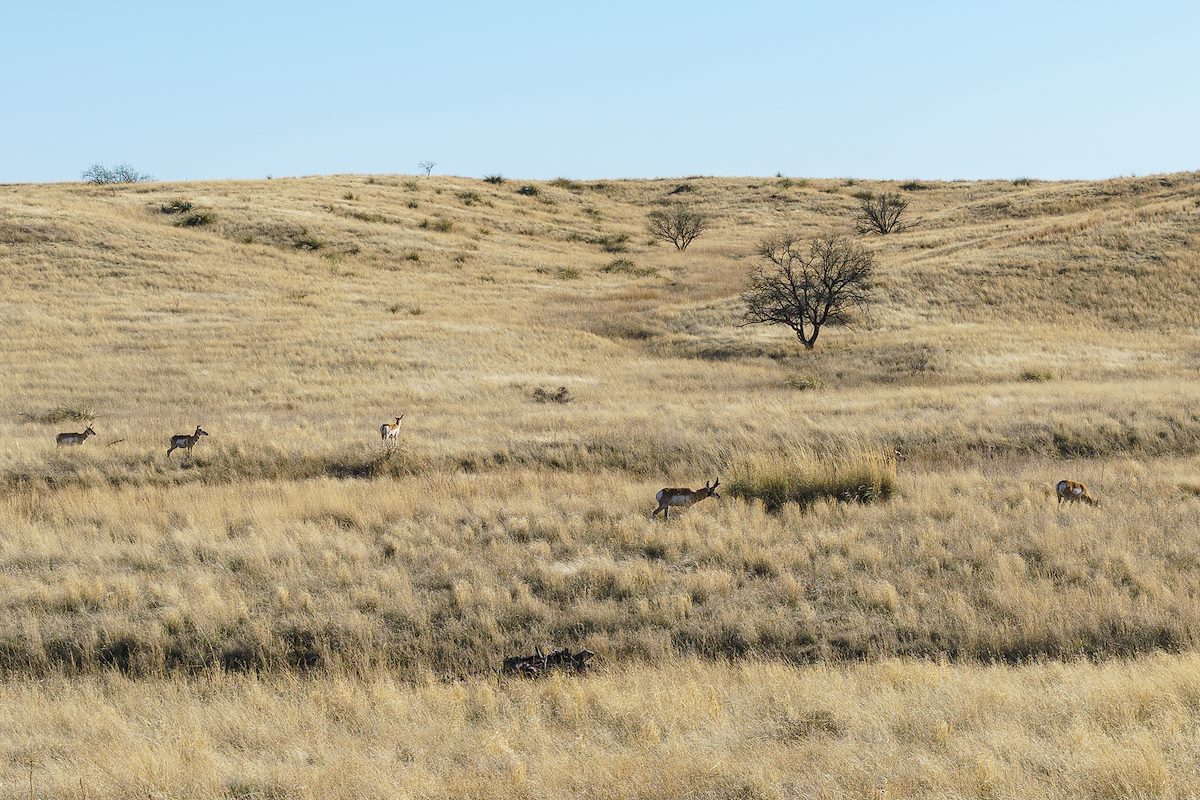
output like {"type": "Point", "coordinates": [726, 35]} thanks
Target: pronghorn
{"type": "Point", "coordinates": [73, 438]}
{"type": "Point", "coordinates": [1073, 492]}
{"type": "Point", "coordinates": [390, 431]}
{"type": "Point", "coordinates": [186, 441]}
{"type": "Point", "coordinates": [684, 497]}
{"type": "Point", "coordinates": [898, 456]}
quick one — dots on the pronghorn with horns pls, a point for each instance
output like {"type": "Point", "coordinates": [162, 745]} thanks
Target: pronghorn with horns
{"type": "Point", "coordinates": [73, 438]}
{"type": "Point", "coordinates": [390, 431]}
{"type": "Point", "coordinates": [683, 498]}
{"type": "Point", "coordinates": [186, 441]}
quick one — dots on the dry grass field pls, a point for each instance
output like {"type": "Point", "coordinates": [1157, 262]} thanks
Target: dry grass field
{"type": "Point", "coordinates": [296, 610]}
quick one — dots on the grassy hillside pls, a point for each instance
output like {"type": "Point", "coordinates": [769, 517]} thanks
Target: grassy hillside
{"type": "Point", "coordinates": [1023, 333]}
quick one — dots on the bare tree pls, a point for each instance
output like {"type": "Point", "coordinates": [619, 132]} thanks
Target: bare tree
{"type": "Point", "coordinates": [426, 166]}
{"type": "Point", "coordinates": [805, 290]}
{"type": "Point", "coordinates": [881, 213]}
{"type": "Point", "coordinates": [102, 175]}
{"type": "Point", "coordinates": [679, 225]}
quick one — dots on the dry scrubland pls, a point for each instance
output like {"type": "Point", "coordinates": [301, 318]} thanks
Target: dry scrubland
{"type": "Point", "coordinates": [295, 611]}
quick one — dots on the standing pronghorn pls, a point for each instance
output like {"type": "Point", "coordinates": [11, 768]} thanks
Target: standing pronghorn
{"type": "Point", "coordinates": [1073, 492]}
{"type": "Point", "coordinates": [390, 431]}
{"type": "Point", "coordinates": [186, 441]}
{"type": "Point", "coordinates": [682, 498]}
{"type": "Point", "coordinates": [73, 438]}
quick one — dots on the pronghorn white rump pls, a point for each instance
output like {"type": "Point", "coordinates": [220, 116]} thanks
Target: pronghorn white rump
{"type": "Point", "coordinates": [64, 439]}
{"type": "Point", "coordinates": [186, 441]}
{"type": "Point", "coordinates": [1074, 492]}
{"type": "Point", "coordinates": [390, 431]}
{"type": "Point", "coordinates": [683, 498]}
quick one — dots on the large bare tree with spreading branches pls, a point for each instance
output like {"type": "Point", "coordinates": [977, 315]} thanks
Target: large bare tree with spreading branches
{"type": "Point", "coordinates": [807, 285]}
{"type": "Point", "coordinates": [679, 225]}
{"type": "Point", "coordinates": [883, 213]}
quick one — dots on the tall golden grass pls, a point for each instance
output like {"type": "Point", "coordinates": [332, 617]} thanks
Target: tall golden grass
{"type": "Point", "coordinates": [294, 566]}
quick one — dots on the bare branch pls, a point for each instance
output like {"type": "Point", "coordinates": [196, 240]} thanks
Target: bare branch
{"type": "Point", "coordinates": [880, 213]}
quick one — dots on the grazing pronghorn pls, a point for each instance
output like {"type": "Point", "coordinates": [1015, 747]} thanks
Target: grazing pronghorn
{"type": "Point", "coordinates": [390, 431]}
{"type": "Point", "coordinates": [73, 438]}
{"type": "Point", "coordinates": [1073, 492]}
{"type": "Point", "coordinates": [186, 441]}
{"type": "Point", "coordinates": [682, 498]}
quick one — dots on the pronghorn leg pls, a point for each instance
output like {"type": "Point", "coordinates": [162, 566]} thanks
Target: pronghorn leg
{"type": "Point", "coordinates": [172, 447]}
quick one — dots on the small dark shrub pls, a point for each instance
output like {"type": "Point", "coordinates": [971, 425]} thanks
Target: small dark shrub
{"type": "Point", "coordinates": [914, 186]}
{"type": "Point", "coordinates": [541, 395]}
{"type": "Point", "coordinates": [470, 198]}
{"type": "Point", "coordinates": [626, 266]}
{"type": "Point", "coordinates": [611, 243]}
{"type": "Point", "coordinates": [568, 184]}
{"type": "Point", "coordinates": [1037, 375]}
{"type": "Point", "coordinates": [1023, 182]}
{"type": "Point", "coordinates": [176, 206]}
{"type": "Point", "coordinates": [349, 196]}
{"type": "Point", "coordinates": [528, 191]}
{"type": "Point", "coordinates": [683, 188]}
{"type": "Point", "coordinates": [196, 219]}
{"type": "Point", "coordinates": [494, 179]}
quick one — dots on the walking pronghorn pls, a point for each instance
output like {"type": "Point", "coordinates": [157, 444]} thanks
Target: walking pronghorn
{"type": "Point", "coordinates": [1073, 492]}
{"type": "Point", "coordinates": [186, 441]}
{"type": "Point", "coordinates": [390, 431]}
{"type": "Point", "coordinates": [682, 498]}
{"type": "Point", "coordinates": [73, 438]}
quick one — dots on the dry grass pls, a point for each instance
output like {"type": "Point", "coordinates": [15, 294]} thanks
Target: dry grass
{"type": "Point", "coordinates": [684, 729]}
{"type": "Point", "coordinates": [1026, 332]}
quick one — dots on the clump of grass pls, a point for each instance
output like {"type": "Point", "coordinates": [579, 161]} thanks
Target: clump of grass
{"type": "Point", "coordinates": [1037, 375]}
{"type": "Point", "coordinates": [349, 196]}
{"type": "Point", "coordinates": [683, 188]}
{"type": "Point", "coordinates": [196, 219]}
{"type": "Point", "coordinates": [592, 212]}
{"type": "Point", "coordinates": [303, 241]}
{"type": "Point", "coordinates": [528, 191]}
{"type": "Point", "coordinates": [440, 224]}
{"type": "Point", "coordinates": [805, 479]}
{"type": "Point", "coordinates": [612, 242]}
{"type": "Point", "coordinates": [625, 266]}
{"type": "Point", "coordinates": [412, 255]}
{"type": "Point", "coordinates": [805, 383]}
{"type": "Point", "coordinates": [470, 198]}
{"type": "Point", "coordinates": [411, 185]}
{"type": "Point", "coordinates": [176, 206]}
{"type": "Point", "coordinates": [560, 395]}
{"type": "Point", "coordinates": [568, 184]}
{"type": "Point", "coordinates": [1022, 182]}
{"type": "Point", "coordinates": [58, 415]}
{"type": "Point", "coordinates": [914, 186]}
{"type": "Point", "coordinates": [785, 183]}
{"type": "Point", "coordinates": [411, 204]}
{"type": "Point", "coordinates": [496, 179]}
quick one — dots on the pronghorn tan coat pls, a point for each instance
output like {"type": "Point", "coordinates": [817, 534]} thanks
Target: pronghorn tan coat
{"type": "Point", "coordinates": [186, 441]}
{"type": "Point", "coordinates": [390, 431]}
{"type": "Point", "coordinates": [64, 439]}
{"type": "Point", "coordinates": [1073, 492]}
{"type": "Point", "coordinates": [683, 498]}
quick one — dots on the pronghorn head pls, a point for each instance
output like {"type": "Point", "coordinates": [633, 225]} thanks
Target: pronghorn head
{"type": "Point", "coordinates": [899, 456]}
{"type": "Point", "coordinates": [712, 490]}
{"type": "Point", "coordinates": [400, 418]}
{"type": "Point", "coordinates": [89, 431]}
{"type": "Point", "coordinates": [200, 432]}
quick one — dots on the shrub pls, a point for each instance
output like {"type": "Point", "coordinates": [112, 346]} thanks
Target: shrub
{"type": "Point", "coordinates": [494, 179]}
{"type": "Point", "coordinates": [1037, 375]}
{"type": "Point", "coordinates": [914, 186]}
{"type": "Point", "coordinates": [59, 414]}
{"type": "Point", "coordinates": [805, 383]}
{"type": "Point", "coordinates": [411, 204]}
{"type": "Point", "coordinates": [197, 219]}
{"type": "Point", "coordinates": [176, 206]}
{"type": "Point", "coordinates": [680, 225]}
{"type": "Point", "coordinates": [611, 243]}
{"type": "Point", "coordinates": [102, 175]}
{"type": "Point", "coordinates": [305, 242]}
{"type": "Point", "coordinates": [349, 196]}
{"type": "Point", "coordinates": [683, 188]}
{"type": "Point", "coordinates": [528, 191]}
{"type": "Point", "coordinates": [541, 395]}
{"type": "Point", "coordinates": [412, 255]}
{"type": "Point", "coordinates": [805, 479]}
{"type": "Point", "coordinates": [1023, 182]}
{"type": "Point", "coordinates": [568, 184]}
{"type": "Point", "coordinates": [470, 198]}
{"type": "Point", "coordinates": [626, 266]}
{"type": "Point", "coordinates": [883, 213]}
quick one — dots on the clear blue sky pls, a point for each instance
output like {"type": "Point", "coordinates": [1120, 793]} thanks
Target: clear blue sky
{"type": "Point", "coordinates": [602, 89]}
